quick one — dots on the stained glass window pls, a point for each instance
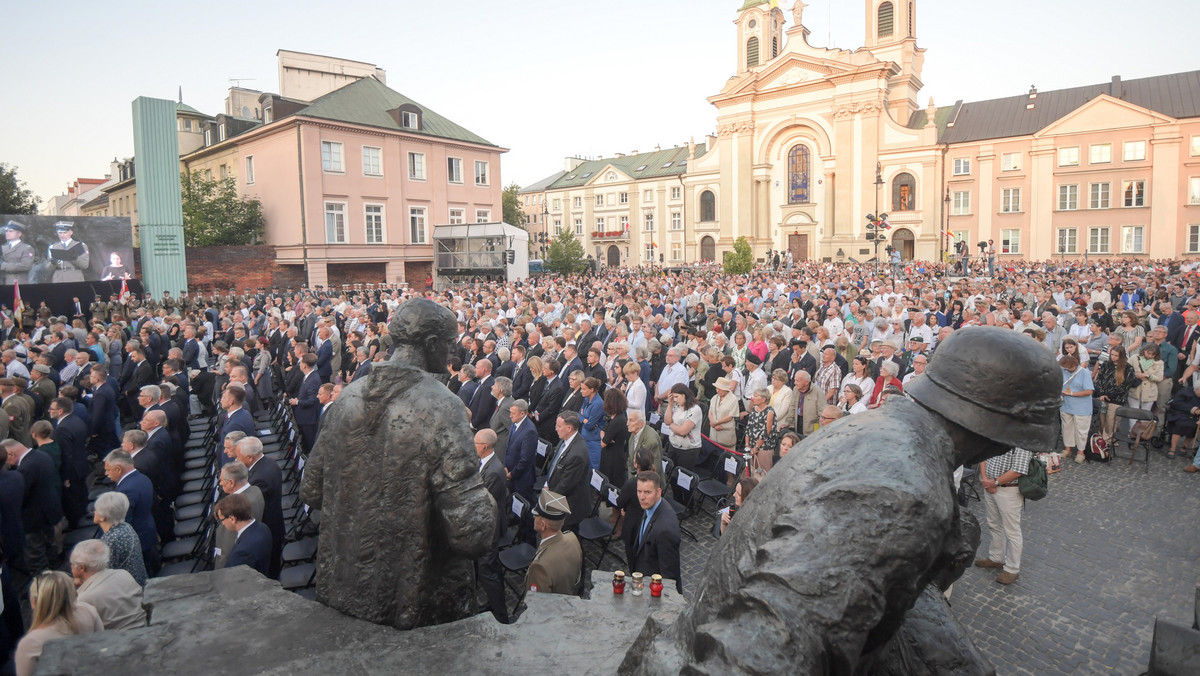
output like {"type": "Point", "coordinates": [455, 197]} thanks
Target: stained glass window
{"type": "Point", "coordinates": [798, 175]}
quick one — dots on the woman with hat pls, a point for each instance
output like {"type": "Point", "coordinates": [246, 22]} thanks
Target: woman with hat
{"type": "Point", "coordinates": [722, 414]}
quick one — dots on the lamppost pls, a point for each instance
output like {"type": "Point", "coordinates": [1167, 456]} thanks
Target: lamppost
{"type": "Point", "coordinates": [875, 225]}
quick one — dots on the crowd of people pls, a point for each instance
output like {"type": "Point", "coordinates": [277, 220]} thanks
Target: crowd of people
{"type": "Point", "coordinates": [628, 373]}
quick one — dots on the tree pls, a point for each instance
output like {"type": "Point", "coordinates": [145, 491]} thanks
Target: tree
{"type": "Point", "coordinates": [513, 214]}
{"type": "Point", "coordinates": [741, 260]}
{"type": "Point", "coordinates": [565, 255]}
{"type": "Point", "coordinates": [215, 215]}
{"type": "Point", "coordinates": [15, 196]}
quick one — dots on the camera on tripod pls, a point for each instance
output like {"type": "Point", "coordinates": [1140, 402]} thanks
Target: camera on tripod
{"type": "Point", "coordinates": [982, 246]}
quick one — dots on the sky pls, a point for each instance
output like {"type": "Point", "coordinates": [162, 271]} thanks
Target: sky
{"type": "Point", "coordinates": [545, 79]}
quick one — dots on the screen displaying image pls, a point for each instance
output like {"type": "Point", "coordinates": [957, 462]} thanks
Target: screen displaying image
{"type": "Point", "coordinates": [52, 249]}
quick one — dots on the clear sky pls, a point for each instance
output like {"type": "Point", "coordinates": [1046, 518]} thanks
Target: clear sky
{"type": "Point", "coordinates": [544, 78]}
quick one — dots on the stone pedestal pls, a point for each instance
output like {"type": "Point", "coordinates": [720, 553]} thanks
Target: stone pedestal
{"type": "Point", "coordinates": [236, 621]}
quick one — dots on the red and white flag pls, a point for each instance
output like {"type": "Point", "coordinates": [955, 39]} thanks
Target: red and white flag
{"type": "Point", "coordinates": [18, 306]}
{"type": "Point", "coordinates": [124, 291]}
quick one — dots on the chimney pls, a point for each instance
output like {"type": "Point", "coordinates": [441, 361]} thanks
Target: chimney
{"type": "Point", "coordinates": [620, 155]}
{"type": "Point", "coordinates": [572, 163]}
{"type": "Point", "coordinates": [1032, 96]}
{"type": "Point", "coordinates": [1116, 89]}
{"type": "Point", "coordinates": [657, 148]}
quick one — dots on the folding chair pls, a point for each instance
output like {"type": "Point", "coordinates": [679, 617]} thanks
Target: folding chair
{"type": "Point", "coordinates": [517, 556]}
{"type": "Point", "coordinates": [683, 487]}
{"type": "Point", "coordinates": [1135, 439]}
{"type": "Point", "coordinates": [300, 576]}
{"type": "Point", "coordinates": [730, 468]}
{"type": "Point", "coordinates": [598, 529]}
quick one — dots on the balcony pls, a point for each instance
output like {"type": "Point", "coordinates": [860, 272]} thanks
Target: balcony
{"type": "Point", "coordinates": [470, 259]}
{"type": "Point", "coordinates": [610, 236]}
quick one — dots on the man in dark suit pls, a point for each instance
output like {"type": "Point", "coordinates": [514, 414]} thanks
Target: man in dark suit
{"type": "Point", "coordinates": [467, 383]}
{"type": "Point", "coordinates": [495, 479]}
{"type": "Point", "coordinates": [12, 529]}
{"type": "Point", "coordinates": [483, 402]}
{"type": "Point", "coordinates": [656, 543]}
{"type": "Point", "coordinates": [191, 348]}
{"type": "Point", "coordinates": [522, 377]}
{"type": "Point", "coordinates": [142, 375]}
{"type": "Point", "coordinates": [253, 546]}
{"type": "Point", "coordinates": [586, 337]}
{"type": "Point", "coordinates": [235, 480]}
{"type": "Point", "coordinates": [325, 354]}
{"type": "Point", "coordinates": [71, 434]}
{"type": "Point", "coordinates": [41, 508]}
{"type": "Point", "coordinates": [265, 473]}
{"type": "Point", "coordinates": [550, 403]}
{"type": "Point", "coordinates": [305, 405]}
{"type": "Point", "coordinates": [236, 417]}
{"type": "Point", "coordinates": [521, 455]}
{"type": "Point", "coordinates": [120, 468]}
{"type": "Point", "coordinates": [570, 469]}
{"type": "Point", "coordinates": [571, 363]}
{"type": "Point", "coordinates": [159, 442]}
{"type": "Point", "coordinates": [134, 443]}
{"type": "Point", "coordinates": [102, 413]}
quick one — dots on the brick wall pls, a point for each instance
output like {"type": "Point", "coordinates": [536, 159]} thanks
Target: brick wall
{"type": "Point", "coordinates": [240, 267]}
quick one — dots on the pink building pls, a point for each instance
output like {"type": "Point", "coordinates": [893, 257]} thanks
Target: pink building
{"type": "Point", "coordinates": [353, 183]}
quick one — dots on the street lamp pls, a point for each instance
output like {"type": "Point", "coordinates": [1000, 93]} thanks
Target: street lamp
{"type": "Point", "coordinates": [875, 226]}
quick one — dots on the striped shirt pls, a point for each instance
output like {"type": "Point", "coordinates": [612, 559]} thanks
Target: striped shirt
{"type": "Point", "coordinates": [1016, 460]}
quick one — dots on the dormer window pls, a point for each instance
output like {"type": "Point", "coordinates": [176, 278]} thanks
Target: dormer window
{"type": "Point", "coordinates": [407, 116]}
{"type": "Point", "coordinates": [409, 120]}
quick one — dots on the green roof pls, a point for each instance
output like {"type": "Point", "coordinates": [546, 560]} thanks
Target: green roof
{"type": "Point", "coordinates": [669, 162]}
{"type": "Point", "coordinates": [182, 107]}
{"type": "Point", "coordinates": [752, 3]}
{"type": "Point", "coordinates": [541, 185]}
{"type": "Point", "coordinates": [367, 102]}
{"type": "Point", "coordinates": [942, 117]}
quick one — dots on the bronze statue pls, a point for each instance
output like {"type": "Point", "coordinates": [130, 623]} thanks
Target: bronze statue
{"type": "Point", "coordinates": [846, 534]}
{"type": "Point", "coordinates": [404, 512]}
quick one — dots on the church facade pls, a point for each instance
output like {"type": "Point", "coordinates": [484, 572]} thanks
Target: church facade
{"type": "Point", "coordinates": [811, 141]}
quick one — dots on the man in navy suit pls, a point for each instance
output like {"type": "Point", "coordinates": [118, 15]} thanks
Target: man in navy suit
{"type": "Point", "coordinates": [521, 453]}
{"type": "Point", "coordinates": [71, 434]}
{"type": "Point", "coordinates": [236, 417]}
{"type": "Point", "coordinates": [656, 538]}
{"type": "Point", "coordinates": [253, 545]}
{"type": "Point", "coordinates": [305, 404]}
{"type": "Point", "coordinates": [466, 390]}
{"type": "Point", "coordinates": [158, 442]}
{"type": "Point", "coordinates": [325, 354]}
{"type": "Point", "coordinates": [120, 468]}
{"type": "Point", "coordinates": [41, 507]}
{"type": "Point", "coordinates": [146, 462]}
{"type": "Point", "coordinates": [483, 402]}
{"type": "Point", "coordinates": [141, 375]}
{"type": "Point", "coordinates": [571, 363]}
{"type": "Point", "coordinates": [493, 474]}
{"type": "Point", "coordinates": [550, 403]}
{"type": "Point", "coordinates": [570, 469]}
{"type": "Point", "coordinates": [523, 378]}
{"type": "Point", "coordinates": [191, 348]}
{"type": "Point", "coordinates": [102, 414]}
{"type": "Point", "coordinates": [265, 473]}
{"type": "Point", "coordinates": [12, 530]}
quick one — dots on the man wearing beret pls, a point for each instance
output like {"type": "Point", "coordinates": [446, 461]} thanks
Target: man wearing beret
{"type": "Point", "coordinates": [756, 378]}
{"type": "Point", "coordinates": [72, 258]}
{"type": "Point", "coordinates": [558, 564]}
{"type": "Point", "coordinates": [18, 256]}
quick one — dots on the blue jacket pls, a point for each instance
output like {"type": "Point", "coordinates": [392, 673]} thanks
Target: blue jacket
{"type": "Point", "coordinates": [140, 491]}
{"type": "Point", "coordinates": [520, 455]}
{"type": "Point", "coordinates": [252, 549]}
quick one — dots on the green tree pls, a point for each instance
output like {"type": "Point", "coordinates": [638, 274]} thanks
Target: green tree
{"type": "Point", "coordinates": [565, 255]}
{"type": "Point", "coordinates": [215, 215]}
{"type": "Point", "coordinates": [513, 214]}
{"type": "Point", "coordinates": [741, 260]}
{"type": "Point", "coordinates": [15, 196]}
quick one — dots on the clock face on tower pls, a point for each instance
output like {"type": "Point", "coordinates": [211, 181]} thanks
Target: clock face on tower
{"type": "Point", "coordinates": [753, 23]}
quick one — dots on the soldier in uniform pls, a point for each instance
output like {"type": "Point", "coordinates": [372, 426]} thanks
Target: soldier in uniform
{"type": "Point", "coordinates": [185, 303]}
{"type": "Point", "coordinates": [168, 303]}
{"type": "Point", "coordinates": [558, 564]}
{"type": "Point", "coordinates": [150, 304]}
{"type": "Point", "coordinates": [99, 309]}
{"type": "Point", "coordinates": [18, 256]}
{"type": "Point", "coordinates": [74, 256]}
{"type": "Point", "coordinates": [113, 306]}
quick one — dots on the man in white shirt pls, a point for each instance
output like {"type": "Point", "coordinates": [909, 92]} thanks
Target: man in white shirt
{"type": "Point", "coordinates": [756, 378]}
{"type": "Point", "coordinates": [673, 372]}
{"type": "Point", "coordinates": [834, 324]}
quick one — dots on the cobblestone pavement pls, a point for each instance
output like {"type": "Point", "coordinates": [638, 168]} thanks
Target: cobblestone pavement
{"type": "Point", "coordinates": [1108, 549]}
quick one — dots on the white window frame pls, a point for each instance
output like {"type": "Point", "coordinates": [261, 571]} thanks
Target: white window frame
{"type": "Point", "coordinates": [600, 224]}
{"type": "Point", "coordinates": [649, 251]}
{"type": "Point", "coordinates": [373, 168]}
{"type": "Point", "coordinates": [418, 225]}
{"type": "Point", "coordinates": [1013, 237]}
{"type": "Point", "coordinates": [332, 156]}
{"type": "Point", "coordinates": [647, 196]}
{"type": "Point", "coordinates": [577, 202]}
{"type": "Point", "coordinates": [1010, 201]}
{"type": "Point", "coordinates": [457, 216]}
{"type": "Point", "coordinates": [557, 205]}
{"type": "Point", "coordinates": [1010, 162]}
{"type": "Point", "coordinates": [1099, 241]}
{"type": "Point", "coordinates": [624, 223]}
{"type": "Point", "coordinates": [579, 227]}
{"type": "Point", "coordinates": [676, 251]}
{"type": "Point", "coordinates": [1071, 237]}
{"type": "Point", "coordinates": [335, 218]}
{"type": "Point", "coordinates": [1134, 151]}
{"type": "Point", "coordinates": [961, 204]}
{"type": "Point", "coordinates": [1068, 157]}
{"type": "Point", "coordinates": [1193, 238]}
{"type": "Point", "coordinates": [648, 221]}
{"type": "Point", "coordinates": [676, 220]}
{"type": "Point", "coordinates": [676, 192]}
{"type": "Point", "coordinates": [1138, 197]}
{"type": "Point", "coordinates": [623, 198]}
{"type": "Point", "coordinates": [557, 226]}
{"type": "Point", "coordinates": [481, 173]}
{"type": "Point", "coordinates": [962, 166]}
{"type": "Point", "coordinates": [416, 166]}
{"type": "Point", "coordinates": [410, 120]}
{"type": "Point", "coordinates": [1100, 195]}
{"type": "Point", "coordinates": [1133, 239]}
{"type": "Point", "coordinates": [1195, 146]}
{"type": "Point", "coordinates": [483, 215]}
{"type": "Point", "coordinates": [1068, 197]}
{"type": "Point", "coordinates": [249, 170]}
{"type": "Point", "coordinates": [369, 218]}
{"type": "Point", "coordinates": [599, 200]}
{"type": "Point", "coordinates": [454, 170]}
{"type": "Point", "coordinates": [1100, 153]}
{"type": "Point", "coordinates": [1193, 197]}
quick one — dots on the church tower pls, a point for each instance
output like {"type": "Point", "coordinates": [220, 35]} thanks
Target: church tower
{"type": "Point", "coordinates": [892, 36]}
{"type": "Point", "coordinates": [760, 33]}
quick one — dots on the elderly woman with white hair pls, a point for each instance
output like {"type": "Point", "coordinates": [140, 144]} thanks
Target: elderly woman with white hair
{"type": "Point", "coordinates": [115, 595]}
{"type": "Point", "coordinates": [122, 541]}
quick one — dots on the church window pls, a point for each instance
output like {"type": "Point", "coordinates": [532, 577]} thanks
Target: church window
{"type": "Point", "coordinates": [798, 175]}
{"type": "Point", "coordinates": [911, 32]}
{"type": "Point", "coordinates": [887, 19]}
{"type": "Point", "coordinates": [904, 192]}
{"type": "Point", "coordinates": [708, 207]}
{"type": "Point", "coordinates": [752, 52]}
{"type": "Point", "coordinates": [774, 46]}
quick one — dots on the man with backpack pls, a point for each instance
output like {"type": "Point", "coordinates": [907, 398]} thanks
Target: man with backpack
{"type": "Point", "coordinates": [1004, 503]}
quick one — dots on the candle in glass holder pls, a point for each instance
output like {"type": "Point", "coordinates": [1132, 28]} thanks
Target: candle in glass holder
{"type": "Point", "coordinates": [619, 582]}
{"type": "Point", "coordinates": [637, 584]}
{"type": "Point", "coordinates": [656, 585]}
